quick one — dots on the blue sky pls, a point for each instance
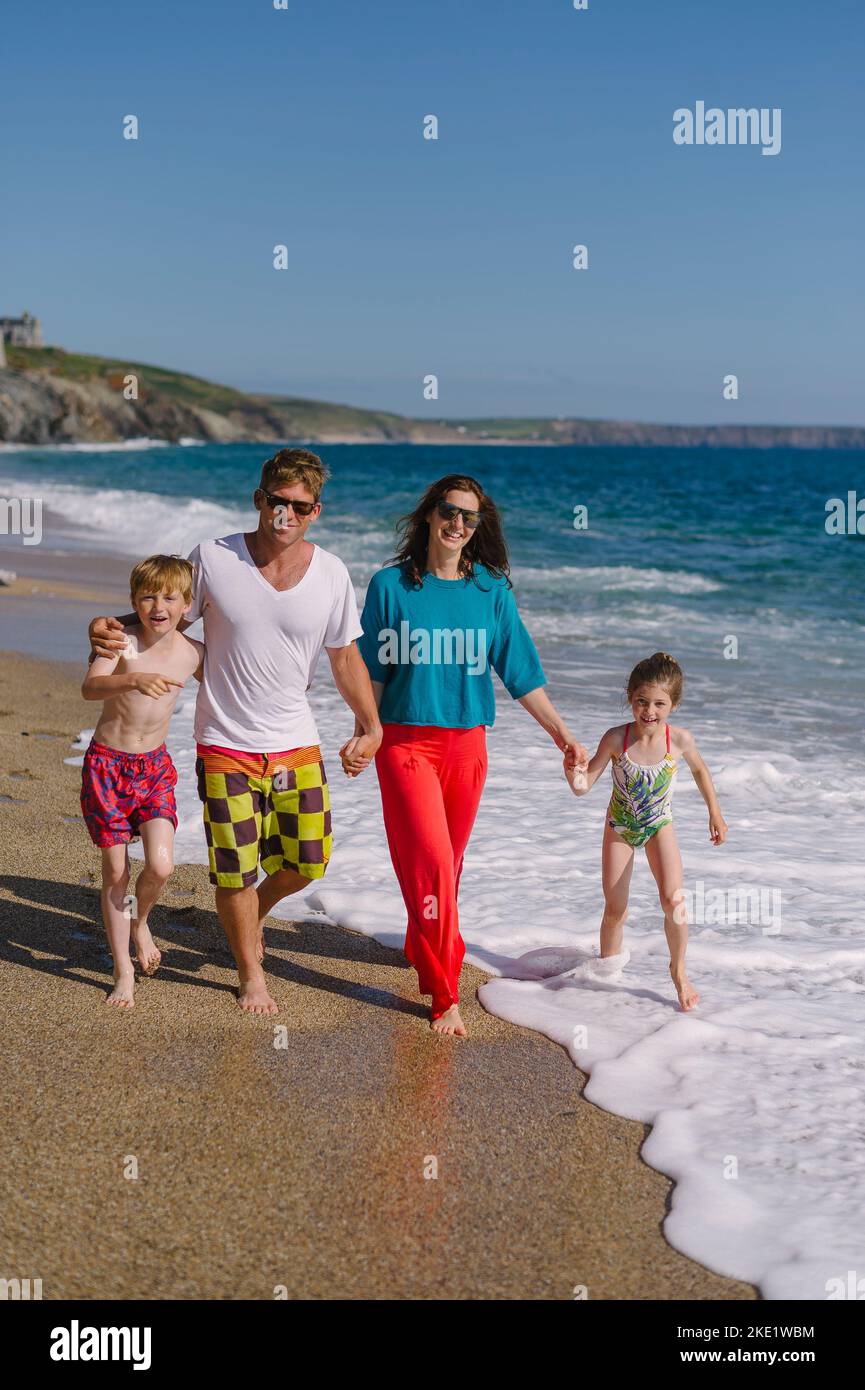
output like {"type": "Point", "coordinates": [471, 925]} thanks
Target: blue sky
{"type": "Point", "coordinates": [453, 257]}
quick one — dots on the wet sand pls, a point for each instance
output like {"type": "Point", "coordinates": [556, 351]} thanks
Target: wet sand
{"type": "Point", "coordinates": [261, 1166]}
{"type": "Point", "coordinates": [46, 609]}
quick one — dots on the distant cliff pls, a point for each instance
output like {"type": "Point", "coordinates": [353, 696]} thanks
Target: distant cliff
{"type": "Point", "coordinates": [48, 396]}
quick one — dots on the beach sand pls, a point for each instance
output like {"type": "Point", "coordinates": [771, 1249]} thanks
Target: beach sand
{"type": "Point", "coordinates": [261, 1166]}
{"type": "Point", "coordinates": [47, 607]}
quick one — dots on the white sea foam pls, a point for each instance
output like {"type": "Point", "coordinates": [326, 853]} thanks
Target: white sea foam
{"type": "Point", "coordinates": [615, 577]}
{"type": "Point", "coordinates": [128, 522]}
{"type": "Point", "coordinates": [757, 1099]}
{"type": "Point", "coordinates": [119, 447]}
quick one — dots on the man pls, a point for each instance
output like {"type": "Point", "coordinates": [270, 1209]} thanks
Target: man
{"type": "Point", "coordinates": [270, 601]}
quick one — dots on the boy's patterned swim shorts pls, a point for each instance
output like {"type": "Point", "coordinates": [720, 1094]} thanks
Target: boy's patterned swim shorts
{"type": "Point", "coordinates": [267, 807]}
{"type": "Point", "coordinates": [120, 791]}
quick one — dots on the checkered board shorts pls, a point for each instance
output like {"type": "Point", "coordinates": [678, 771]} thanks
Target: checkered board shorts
{"type": "Point", "coordinates": [272, 807]}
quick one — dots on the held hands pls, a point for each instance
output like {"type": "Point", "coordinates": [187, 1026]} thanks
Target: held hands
{"type": "Point", "coordinates": [717, 828]}
{"type": "Point", "coordinates": [575, 761]}
{"type": "Point", "coordinates": [358, 753]}
{"type": "Point", "coordinates": [576, 776]}
{"type": "Point", "coordinates": [575, 754]}
{"type": "Point", "coordinates": [155, 685]}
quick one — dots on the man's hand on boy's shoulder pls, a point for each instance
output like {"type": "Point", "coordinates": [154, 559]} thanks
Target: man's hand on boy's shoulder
{"type": "Point", "coordinates": [108, 637]}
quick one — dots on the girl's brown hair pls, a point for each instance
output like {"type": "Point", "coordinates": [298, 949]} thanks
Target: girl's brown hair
{"type": "Point", "coordinates": [486, 546]}
{"type": "Point", "coordinates": [660, 669]}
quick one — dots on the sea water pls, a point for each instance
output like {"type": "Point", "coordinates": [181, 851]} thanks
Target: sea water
{"type": "Point", "coordinates": [757, 1098]}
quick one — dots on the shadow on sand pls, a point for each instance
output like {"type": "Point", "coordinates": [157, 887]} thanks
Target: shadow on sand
{"type": "Point", "coordinates": [56, 928]}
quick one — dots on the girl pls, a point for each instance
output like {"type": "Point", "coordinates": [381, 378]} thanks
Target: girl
{"type": "Point", "coordinates": [644, 765]}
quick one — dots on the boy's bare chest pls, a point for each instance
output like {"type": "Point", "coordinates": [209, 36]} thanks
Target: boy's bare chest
{"type": "Point", "coordinates": [175, 660]}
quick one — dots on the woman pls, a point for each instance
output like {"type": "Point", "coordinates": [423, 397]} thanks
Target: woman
{"type": "Point", "coordinates": [434, 622]}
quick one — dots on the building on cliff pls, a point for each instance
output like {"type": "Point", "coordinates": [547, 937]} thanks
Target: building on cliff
{"type": "Point", "coordinates": [23, 332]}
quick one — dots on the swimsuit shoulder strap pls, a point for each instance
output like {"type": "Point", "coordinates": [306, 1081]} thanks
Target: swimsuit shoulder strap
{"type": "Point", "coordinates": [625, 747]}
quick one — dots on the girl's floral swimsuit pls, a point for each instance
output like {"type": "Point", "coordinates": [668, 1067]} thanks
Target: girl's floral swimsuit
{"type": "Point", "coordinates": [641, 803]}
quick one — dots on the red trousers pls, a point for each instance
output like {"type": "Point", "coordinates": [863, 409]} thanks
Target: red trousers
{"type": "Point", "coordinates": [431, 781]}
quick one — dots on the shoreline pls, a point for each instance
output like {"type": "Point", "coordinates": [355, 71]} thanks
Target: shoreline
{"type": "Point", "coordinates": [528, 1198]}
{"type": "Point", "coordinates": [139, 443]}
{"type": "Point", "coordinates": [46, 610]}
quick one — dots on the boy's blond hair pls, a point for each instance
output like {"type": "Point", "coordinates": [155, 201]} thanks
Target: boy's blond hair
{"type": "Point", "coordinates": [294, 466]}
{"type": "Point", "coordinates": [160, 574]}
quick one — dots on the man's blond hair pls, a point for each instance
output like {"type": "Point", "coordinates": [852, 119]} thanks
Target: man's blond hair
{"type": "Point", "coordinates": [294, 466]}
{"type": "Point", "coordinates": [162, 574]}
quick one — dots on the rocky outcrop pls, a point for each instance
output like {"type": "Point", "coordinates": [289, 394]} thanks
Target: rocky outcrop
{"type": "Point", "coordinates": [42, 408]}
{"type": "Point", "coordinates": [37, 408]}
{"type": "Point", "coordinates": [48, 407]}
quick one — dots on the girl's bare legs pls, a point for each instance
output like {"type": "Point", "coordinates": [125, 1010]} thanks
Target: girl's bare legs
{"type": "Point", "coordinates": [157, 838]}
{"type": "Point", "coordinates": [115, 915]}
{"type": "Point", "coordinates": [665, 861]}
{"type": "Point", "coordinates": [617, 865]}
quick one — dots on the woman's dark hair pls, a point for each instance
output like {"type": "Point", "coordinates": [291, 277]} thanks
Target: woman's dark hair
{"type": "Point", "coordinates": [486, 547]}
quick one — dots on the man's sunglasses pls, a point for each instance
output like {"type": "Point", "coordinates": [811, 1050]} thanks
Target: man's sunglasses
{"type": "Point", "coordinates": [448, 511]}
{"type": "Point", "coordinates": [300, 508]}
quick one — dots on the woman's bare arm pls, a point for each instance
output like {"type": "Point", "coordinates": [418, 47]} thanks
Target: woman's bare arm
{"type": "Point", "coordinates": [541, 708]}
{"type": "Point", "coordinates": [581, 781]}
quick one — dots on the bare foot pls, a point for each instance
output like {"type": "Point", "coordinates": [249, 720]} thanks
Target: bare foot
{"type": "Point", "coordinates": [124, 985]}
{"type": "Point", "coordinates": [148, 953]}
{"type": "Point", "coordinates": [688, 996]}
{"type": "Point", "coordinates": [253, 998]}
{"type": "Point", "coordinates": [450, 1022]}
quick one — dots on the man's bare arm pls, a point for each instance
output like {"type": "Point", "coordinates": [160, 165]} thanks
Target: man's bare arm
{"type": "Point", "coordinates": [103, 681]}
{"type": "Point", "coordinates": [351, 678]}
{"type": "Point", "coordinates": [107, 635]}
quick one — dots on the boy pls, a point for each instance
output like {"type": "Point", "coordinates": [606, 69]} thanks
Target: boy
{"type": "Point", "coordinates": [128, 778]}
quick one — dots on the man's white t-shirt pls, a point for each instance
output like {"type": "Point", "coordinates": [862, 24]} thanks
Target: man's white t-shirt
{"type": "Point", "coordinates": [261, 646]}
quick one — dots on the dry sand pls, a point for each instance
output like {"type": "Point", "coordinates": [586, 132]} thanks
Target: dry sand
{"type": "Point", "coordinates": [261, 1166]}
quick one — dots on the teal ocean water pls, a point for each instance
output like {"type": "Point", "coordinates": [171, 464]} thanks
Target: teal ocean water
{"type": "Point", "coordinates": [683, 549]}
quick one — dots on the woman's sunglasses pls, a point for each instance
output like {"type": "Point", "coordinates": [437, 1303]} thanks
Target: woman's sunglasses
{"type": "Point", "coordinates": [300, 508]}
{"type": "Point", "coordinates": [448, 511]}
